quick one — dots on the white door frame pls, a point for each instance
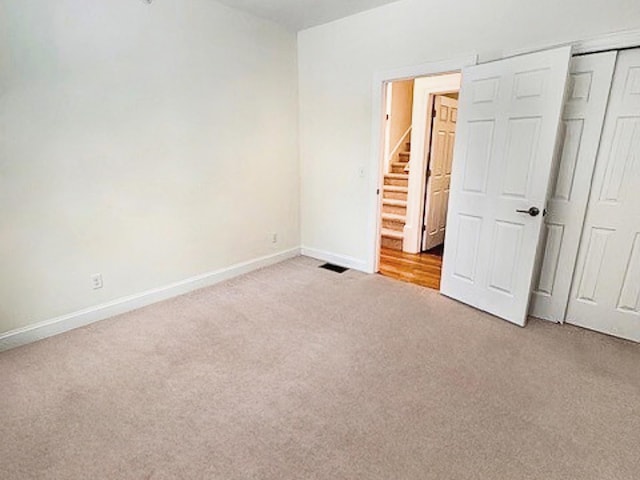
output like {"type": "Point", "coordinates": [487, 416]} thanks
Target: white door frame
{"type": "Point", "coordinates": [430, 179]}
{"type": "Point", "coordinates": [608, 41]}
{"type": "Point", "coordinates": [388, 102]}
{"type": "Point", "coordinates": [420, 141]}
{"type": "Point", "coordinates": [380, 80]}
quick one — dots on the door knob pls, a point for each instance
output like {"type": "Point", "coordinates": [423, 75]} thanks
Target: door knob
{"type": "Point", "coordinates": [533, 211]}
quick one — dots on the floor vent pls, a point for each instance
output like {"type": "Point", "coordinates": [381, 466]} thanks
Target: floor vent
{"type": "Point", "coordinates": [334, 268]}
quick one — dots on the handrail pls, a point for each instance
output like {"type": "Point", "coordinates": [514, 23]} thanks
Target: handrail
{"type": "Point", "coordinates": [396, 149]}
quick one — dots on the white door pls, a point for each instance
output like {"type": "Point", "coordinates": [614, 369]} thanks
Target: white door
{"type": "Point", "coordinates": [508, 121]}
{"type": "Point", "coordinates": [606, 290]}
{"type": "Point", "coordinates": [584, 110]}
{"type": "Point", "coordinates": [443, 135]}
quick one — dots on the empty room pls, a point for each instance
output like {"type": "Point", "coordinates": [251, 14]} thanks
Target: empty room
{"type": "Point", "coordinates": [302, 239]}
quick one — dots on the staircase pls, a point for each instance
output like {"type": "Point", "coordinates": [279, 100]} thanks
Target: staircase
{"type": "Point", "coordinates": [394, 200]}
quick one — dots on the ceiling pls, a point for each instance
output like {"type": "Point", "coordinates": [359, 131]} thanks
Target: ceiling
{"type": "Point", "coordinates": [301, 14]}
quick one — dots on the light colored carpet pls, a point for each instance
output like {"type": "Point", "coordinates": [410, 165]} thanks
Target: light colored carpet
{"type": "Point", "coordinates": [294, 372]}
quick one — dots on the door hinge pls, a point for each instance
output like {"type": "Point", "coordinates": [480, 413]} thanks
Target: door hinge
{"type": "Point", "coordinates": [378, 192]}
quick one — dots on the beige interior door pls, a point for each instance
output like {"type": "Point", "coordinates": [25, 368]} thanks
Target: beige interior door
{"type": "Point", "coordinates": [507, 126]}
{"type": "Point", "coordinates": [606, 291]}
{"type": "Point", "coordinates": [443, 134]}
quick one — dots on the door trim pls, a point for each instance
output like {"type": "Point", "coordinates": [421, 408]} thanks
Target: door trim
{"type": "Point", "coordinates": [600, 43]}
{"type": "Point", "coordinates": [420, 139]}
{"type": "Point", "coordinates": [380, 80]}
{"type": "Point", "coordinates": [426, 179]}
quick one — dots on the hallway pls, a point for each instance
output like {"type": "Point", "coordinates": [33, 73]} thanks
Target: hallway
{"type": "Point", "coordinates": [422, 269]}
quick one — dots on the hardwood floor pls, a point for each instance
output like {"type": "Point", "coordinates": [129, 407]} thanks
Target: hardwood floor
{"type": "Point", "coordinates": [422, 269]}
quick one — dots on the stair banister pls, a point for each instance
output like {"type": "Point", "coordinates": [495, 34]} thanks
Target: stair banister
{"type": "Point", "coordinates": [396, 149]}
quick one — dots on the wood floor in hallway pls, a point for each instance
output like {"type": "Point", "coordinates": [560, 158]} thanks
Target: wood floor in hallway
{"type": "Point", "coordinates": [422, 269]}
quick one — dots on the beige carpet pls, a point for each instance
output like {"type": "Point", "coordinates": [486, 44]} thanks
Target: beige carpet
{"type": "Point", "coordinates": [294, 372]}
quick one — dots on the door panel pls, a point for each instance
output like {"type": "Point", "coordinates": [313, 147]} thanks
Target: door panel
{"type": "Point", "coordinates": [506, 134]}
{"type": "Point", "coordinates": [592, 267]}
{"type": "Point", "coordinates": [479, 141]}
{"type": "Point", "coordinates": [505, 251]}
{"type": "Point", "coordinates": [522, 138]}
{"type": "Point", "coordinates": [583, 117]}
{"type": "Point", "coordinates": [465, 259]}
{"type": "Point", "coordinates": [606, 293]}
{"type": "Point", "coordinates": [630, 294]}
{"type": "Point", "coordinates": [439, 179]}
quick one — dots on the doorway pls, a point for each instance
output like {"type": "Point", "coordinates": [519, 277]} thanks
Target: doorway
{"type": "Point", "coordinates": [506, 129]}
{"type": "Point", "coordinates": [419, 136]}
{"type": "Point", "coordinates": [512, 173]}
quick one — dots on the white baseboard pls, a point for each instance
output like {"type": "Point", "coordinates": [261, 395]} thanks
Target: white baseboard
{"type": "Point", "coordinates": [341, 260]}
{"type": "Point", "coordinates": [55, 326]}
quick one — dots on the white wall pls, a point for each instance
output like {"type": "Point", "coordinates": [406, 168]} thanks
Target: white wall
{"type": "Point", "coordinates": [401, 110]}
{"type": "Point", "coordinates": [337, 63]}
{"type": "Point", "coordinates": [149, 143]}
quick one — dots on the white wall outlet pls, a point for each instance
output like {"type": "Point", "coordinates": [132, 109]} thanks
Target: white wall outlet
{"type": "Point", "coordinates": [274, 238]}
{"type": "Point", "coordinates": [96, 281]}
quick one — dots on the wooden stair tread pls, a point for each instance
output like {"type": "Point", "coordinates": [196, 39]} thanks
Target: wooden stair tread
{"type": "Point", "coordinates": [396, 188]}
{"type": "Point", "coordinates": [394, 217]}
{"type": "Point", "coordinates": [398, 235]}
{"type": "Point", "coordinates": [399, 176]}
{"type": "Point", "coordinates": [392, 201]}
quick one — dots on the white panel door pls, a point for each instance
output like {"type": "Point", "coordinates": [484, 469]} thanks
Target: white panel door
{"type": "Point", "coordinates": [584, 110]}
{"type": "Point", "coordinates": [443, 135]}
{"type": "Point", "coordinates": [606, 289]}
{"type": "Point", "coordinates": [508, 120]}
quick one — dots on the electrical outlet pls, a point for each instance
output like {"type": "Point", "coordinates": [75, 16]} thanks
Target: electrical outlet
{"type": "Point", "coordinates": [274, 238]}
{"type": "Point", "coordinates": [96, 281]}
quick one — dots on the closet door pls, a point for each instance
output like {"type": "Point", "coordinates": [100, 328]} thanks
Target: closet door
{"type": "Point", "coordinates": [606, 290]}
{"type": "Point", "coordinates": [584, 110]}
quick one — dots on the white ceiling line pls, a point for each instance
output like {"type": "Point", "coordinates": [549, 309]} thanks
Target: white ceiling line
{"type": "Point", "coordinates": [300, 14]}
